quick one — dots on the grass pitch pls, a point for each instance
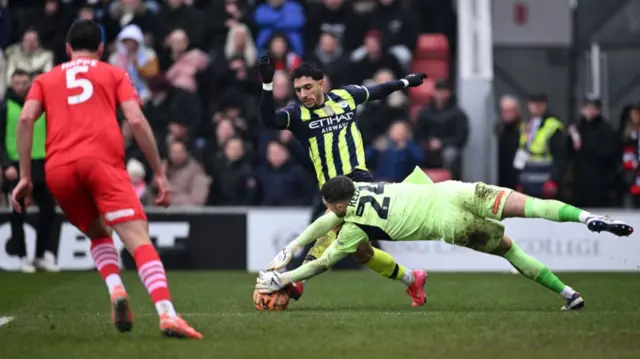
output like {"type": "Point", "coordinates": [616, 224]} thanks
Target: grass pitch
{"type": "Point", "coordinates": [342, 315]}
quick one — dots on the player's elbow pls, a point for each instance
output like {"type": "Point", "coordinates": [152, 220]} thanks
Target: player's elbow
{"type": "Point", "coordinates": [136, 122]}
{"type": "Point", "coordinates": [26, 120]}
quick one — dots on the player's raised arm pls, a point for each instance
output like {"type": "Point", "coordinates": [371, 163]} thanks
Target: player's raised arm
{"type": "Point", "coordinates": [363, 94]}
{"type": "Point", "coordinates": [270, 117]}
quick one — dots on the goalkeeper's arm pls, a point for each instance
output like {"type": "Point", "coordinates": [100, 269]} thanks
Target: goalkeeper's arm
{"type": "Point", "coordinates": [311, 269]}
{"type": "Point", "coordinates": [318, 228]}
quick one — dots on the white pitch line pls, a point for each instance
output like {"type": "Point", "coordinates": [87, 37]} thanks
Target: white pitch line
{"type": "Point", "coordinates": [5, 320]}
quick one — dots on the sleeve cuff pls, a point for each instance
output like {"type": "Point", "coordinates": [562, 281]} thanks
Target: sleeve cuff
{"type": "Point", "coordinates": [405, 82]}
{"type": "Point", "coordinates": [268, 87]}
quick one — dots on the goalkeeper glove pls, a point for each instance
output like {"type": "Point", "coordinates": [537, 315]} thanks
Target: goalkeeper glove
{"type": "Point", "coordinates": [281, 260]}
{"type": "Point", "coordinates": [269, 282]}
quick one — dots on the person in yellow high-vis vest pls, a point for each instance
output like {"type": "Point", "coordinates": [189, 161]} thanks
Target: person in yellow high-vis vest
{"type": "Point", "coordinates": [9, 115]}
{"type": "Point", "coordinates": [542, 152]}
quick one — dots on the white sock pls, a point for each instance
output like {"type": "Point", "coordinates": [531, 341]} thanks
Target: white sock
{"type": "Point", "coordinates": [165, 307]}
{"type": "Point", "coordinates": [584, 216]}
{"type": "Point", "coordinates": [567, 292]}
{"type": "Point", "coordinates": [113, 281]}
{"type": "Point", "coordinates": [407, 278]}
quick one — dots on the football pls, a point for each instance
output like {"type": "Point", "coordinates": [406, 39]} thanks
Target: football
{"type": "Point", "coordinates": [273, 301]}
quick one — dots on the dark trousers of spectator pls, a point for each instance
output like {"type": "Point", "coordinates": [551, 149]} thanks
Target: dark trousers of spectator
{"type": "Point", "coordinates": [46, 217]}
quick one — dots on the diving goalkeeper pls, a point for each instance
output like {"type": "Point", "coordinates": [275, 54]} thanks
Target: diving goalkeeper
{"type": "Point", "coordinates": [326, 125]}
{"type": "Point", "coordinates": [465, 214]}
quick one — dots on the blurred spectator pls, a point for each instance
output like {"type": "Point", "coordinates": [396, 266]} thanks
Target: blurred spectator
{"type": "Point", "coordinates": [281, 181]}
{"type": "Point", "coordinates": [330, 57]}
{"type": "Point", "coordinates": [233, 183]}
{"type": "Point", "coordinates": [6, 26]}
{"type": "Point", "coordinates": [286, 16]}
{"type": "Point", "coordinates": [399, 29]}
{"type": "Point", "coordinates": [239, 86]}
{"type": "Point", "coordinates": [393, 157]}
{"type": "Point", "coordinates": [28, 55]}
{"type": "Point", "coordinates": [542, 153]}
{"type": "Point", "coordinates": [337, 18]}
{"type": "Point", "coordinates": [235, 110]}
{"type": "Point", "coordinates": [131, 149]}
{"type": "Point", "coordinates": [185, 64]}
{"type": "Point", "coordinates": [240, 44]}
{"type": "Point", "coordinates": [379, 114]}
{"type": "Point", "coordinates": [374, 57]}
{"type": "Point", "coordinates": [224, 131]}
{"type": "Point", "coordinates": [630, 134]}
{"type": "Point", "coordinates": [223, 17]}
{"type": "Point", "coordinates": [51, 21]}
{"type": "Point", "coordinates": [508, 132]}
{"type": "Point", "coordinates": [189, 183]}
{"type": "Point", "coordinates": [137, 59]}
{"type": "Point", "coordinates": [88, 12]}
{"type": "Point", "coordinates": [3, 77]}
{"type": "Point", "coordinates": [595, 148]}
{"type": "Point", "coordinates": [282, 92]}
{"type": "Point", "coordinates": [137, 173]}
{"type": "Point", "coordinates": [129, 12]}
{"type": "Point", "coordinates": [283, 58]}
{"type": "Point", "coordinates": [284, 138]}
{"type": "Point", "coordinates": [176, 14]}
{"type": "Point", "coordinates": [443, 129]}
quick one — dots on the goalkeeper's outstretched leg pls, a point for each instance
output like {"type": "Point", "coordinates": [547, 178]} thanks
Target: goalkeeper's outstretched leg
{"type": "Point", "coordinates": [523, 206]}
{"type": "Point", "coordinates": [482, 201]}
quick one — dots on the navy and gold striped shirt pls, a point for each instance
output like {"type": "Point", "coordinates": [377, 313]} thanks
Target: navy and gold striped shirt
{"type": "Point", "coordinates": [330, 133]}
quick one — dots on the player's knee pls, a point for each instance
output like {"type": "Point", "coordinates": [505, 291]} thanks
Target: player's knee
{"type": "Point", "coordinates": [133, 233]}
{"type": "Point", "coordinates": [363, 253]}
{"type": "Point", "coordinates": [477, 241]}
{"type": "Point", "coordinates": [98, 229]}
{"type": "Point", "coordinates": [503, 247]}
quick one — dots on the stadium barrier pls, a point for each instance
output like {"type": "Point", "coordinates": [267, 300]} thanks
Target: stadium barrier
{"type": "Point", "coordinates": [248, 238]}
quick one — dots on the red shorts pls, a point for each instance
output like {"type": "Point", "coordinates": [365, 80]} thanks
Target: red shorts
{"type": "Point", "coordinates": [89, 188]}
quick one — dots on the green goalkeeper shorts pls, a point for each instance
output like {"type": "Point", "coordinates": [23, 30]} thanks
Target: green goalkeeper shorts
{"type": "Point", "coordinates": [471, 213]}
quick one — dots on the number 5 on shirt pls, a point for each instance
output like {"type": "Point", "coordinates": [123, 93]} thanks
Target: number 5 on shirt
{"type": "Point", "coordinates": [74, 82]}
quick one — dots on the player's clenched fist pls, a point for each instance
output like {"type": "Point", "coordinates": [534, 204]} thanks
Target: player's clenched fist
{"type": "Point", "coordinates": [267, 69]}
{"type": "Point", "coordinates": [416, 79]}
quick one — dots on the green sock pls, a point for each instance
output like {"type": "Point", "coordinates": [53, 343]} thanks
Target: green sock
{"type": "Point", "coordinates": [553, 210]}
{"type": "Point", "coordinates": [533, 268]}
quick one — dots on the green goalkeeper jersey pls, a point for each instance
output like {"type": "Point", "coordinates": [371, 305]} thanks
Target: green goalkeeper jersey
{"type": "Point", "coordinates": [390, 211]}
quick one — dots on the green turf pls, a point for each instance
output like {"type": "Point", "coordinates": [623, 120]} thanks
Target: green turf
{"type": "Point", "coordinates": [343, 315]}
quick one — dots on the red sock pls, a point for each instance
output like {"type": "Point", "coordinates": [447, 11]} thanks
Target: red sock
{"type": "Point", "coordinates": [151, 272]}
{"type": "Point", "coordinates": [105, 256]}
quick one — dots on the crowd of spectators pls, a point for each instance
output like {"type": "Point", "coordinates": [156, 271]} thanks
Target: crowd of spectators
{"type": "Point", "coordinates": [193, 63]}
{"type": "Point", "coordinates": [595, 165]}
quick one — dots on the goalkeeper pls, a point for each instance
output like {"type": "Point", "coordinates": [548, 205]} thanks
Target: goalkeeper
{"type": "Point", "coordinates": [326, 125]}
{"type": "Point", "coordinates": [465, 214]}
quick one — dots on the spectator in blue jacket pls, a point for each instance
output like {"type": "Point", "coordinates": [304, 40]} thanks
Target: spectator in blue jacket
{"type": "Point", "coordinates": [394, 156]}
{"type": "Point", "coordinates": [282, 182]}
{"type": "Point", "coordinates": [283, 16]}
